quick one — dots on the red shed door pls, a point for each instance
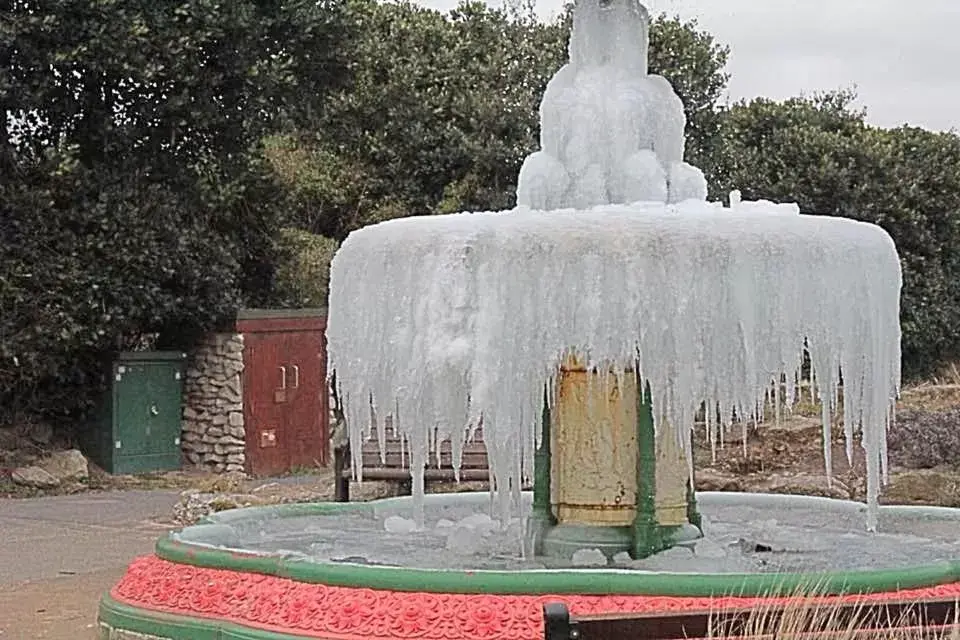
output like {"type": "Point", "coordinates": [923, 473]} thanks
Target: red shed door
{"type": "Point", "coordinates": [308, 414]}
{"type": "Point", "coordinates": [265, 417]}
{"type": "Point", "coordinates": [285, 398]}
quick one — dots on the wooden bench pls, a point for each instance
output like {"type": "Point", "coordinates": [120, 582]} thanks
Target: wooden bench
{"type": "Point", "coordinates": [474, 466]}
{"type": "Point", "coordinates": [926, 618]}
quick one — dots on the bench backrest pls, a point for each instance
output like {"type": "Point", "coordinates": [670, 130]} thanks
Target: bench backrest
{"type": "Point", "coordinates": [398, 455]}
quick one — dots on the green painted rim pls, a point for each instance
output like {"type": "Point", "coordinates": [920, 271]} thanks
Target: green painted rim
{"type": "Point", "coordinates": [165, 625]}
{"type": "Point", "coordinates": [537, 582]}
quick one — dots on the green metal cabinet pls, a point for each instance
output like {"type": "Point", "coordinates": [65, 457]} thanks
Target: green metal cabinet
{"type": "Point", "coordinates": [139, 426]}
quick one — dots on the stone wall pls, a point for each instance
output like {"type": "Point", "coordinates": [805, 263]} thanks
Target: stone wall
{"type": "Point", "coordinates": [213, 426]}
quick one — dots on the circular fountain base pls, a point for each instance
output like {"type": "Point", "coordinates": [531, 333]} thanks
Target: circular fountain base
{"type": "Point", "coordinates": [250, 573]}
{"type": "Point", "coordinates": [565, 540]}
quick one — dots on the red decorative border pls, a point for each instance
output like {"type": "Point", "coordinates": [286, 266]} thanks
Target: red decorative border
{"type": "Point", "coordinates": [336, 613]}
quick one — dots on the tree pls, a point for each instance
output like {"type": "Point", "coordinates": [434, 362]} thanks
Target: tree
{"type": "Point", "coordinates": [133, 199]}
{"type": "Point", "coordinates": [444, 108]}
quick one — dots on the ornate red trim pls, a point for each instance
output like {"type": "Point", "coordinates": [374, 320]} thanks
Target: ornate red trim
{"type": "Point", "coordinates": [336, 613]}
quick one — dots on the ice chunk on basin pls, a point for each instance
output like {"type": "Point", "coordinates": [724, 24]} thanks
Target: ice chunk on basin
{"type": "Point", "coordinates": [465, 540]}
{"type": "Point", "coordinates": [396, 524]}
{"type": "Point", "coordinates": [589, 558]}
{"type": "Point", "coordinates": [480, 522]}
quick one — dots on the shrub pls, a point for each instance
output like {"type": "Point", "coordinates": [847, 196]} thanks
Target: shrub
{"type": "Point", "coordinates": [303, 272]}
{"type": "Point", "coordinates": [925, 439]}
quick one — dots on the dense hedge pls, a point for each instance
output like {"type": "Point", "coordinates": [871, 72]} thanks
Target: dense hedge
{"type": "Point", "coordinates": [135, 206]}
{"type": "Point", "coordinates": [303, 268]}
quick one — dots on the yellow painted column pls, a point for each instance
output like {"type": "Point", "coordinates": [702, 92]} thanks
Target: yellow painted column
{"type": "Point", "coordinates": [594, 449]}
{"type": "Point", "coordinates": [672, 479]}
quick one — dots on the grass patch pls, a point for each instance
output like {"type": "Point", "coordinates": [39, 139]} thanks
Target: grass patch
{"type": "Point", "coordinates": [808, 615]}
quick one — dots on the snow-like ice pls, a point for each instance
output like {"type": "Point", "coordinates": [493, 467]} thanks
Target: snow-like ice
{"type": "Point", "coordinates": [610, 132]}
{"type": "Point", "coordinates": [436, 322]}
{"type": "Point", "coordinates": [441, 320]}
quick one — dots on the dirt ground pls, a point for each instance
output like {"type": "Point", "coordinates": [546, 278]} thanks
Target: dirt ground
{"type": "Point", "coordinates": [784, 457]}
{"type": "Point", "coordinates": [55, 609]}
{"type": "Point", "coordinates": [787, 456]}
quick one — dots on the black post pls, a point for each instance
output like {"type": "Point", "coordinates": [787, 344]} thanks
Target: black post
{"type": "Point", "coordinates": [556, 623]}
{"type": "Point", "coordinates": [341, 480]}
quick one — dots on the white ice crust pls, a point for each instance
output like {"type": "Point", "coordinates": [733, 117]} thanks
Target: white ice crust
{"type": "Point", "coordinates": [610, 133]}
{"type": "Point", "coordinates": [441, 320]}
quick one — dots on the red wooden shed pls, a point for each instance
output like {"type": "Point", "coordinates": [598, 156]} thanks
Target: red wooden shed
{"type": "Point", "coordinates": [285, 396]}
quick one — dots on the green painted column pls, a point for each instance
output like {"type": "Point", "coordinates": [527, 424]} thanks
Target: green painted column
{"type": "Point", "coordinates": [541, 518]}
{"type": "Point", "coordinates": [693, 509]}
{"type": "Point", "coordinates": [647, 538]}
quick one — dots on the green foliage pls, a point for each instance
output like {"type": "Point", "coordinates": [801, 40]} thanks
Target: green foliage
{"type": "Point", "coordinates": [820, 152]}
{"type": "Point", "coordinates": [135, 207]}
{"type": "Point", "coordinates": [444, 108]}
{"type": "Point", "coordinates": [164, 81]}
{"type": "Point", "coordinates": [169, 161]}
{"type": "Point", "coordinates": [93, 263]}
{"type": "Point", "coordinates": [303, 268]}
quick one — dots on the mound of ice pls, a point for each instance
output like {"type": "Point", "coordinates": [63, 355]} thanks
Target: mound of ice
{"type": "Point", "coordinates": [479, 521]}
{"type": "Point", "coordinates": [610, 132]}
{"type": "Point", "coordinates": [465, 541]}
{"type": "Point", "coordinates": [443, 319]}
{"type": "Point", "coordinates": [396, 524]}
{"type": "Point", "coordinates": [588, 558]}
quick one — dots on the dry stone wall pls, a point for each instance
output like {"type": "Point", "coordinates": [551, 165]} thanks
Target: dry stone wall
{"type": "Point", "coordinates": [213, 424]}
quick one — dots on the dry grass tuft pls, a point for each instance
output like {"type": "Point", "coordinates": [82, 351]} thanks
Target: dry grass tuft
{"type": "Point", "coordinates": [808, 616]}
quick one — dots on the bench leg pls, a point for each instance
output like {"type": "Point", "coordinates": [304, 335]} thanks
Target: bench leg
{"type": "Point", "coordinates": [406, 487]}
{"type": "Point", "coordinates": [557, 624]}
{"type": "Point", "coordinates": [341, 482]}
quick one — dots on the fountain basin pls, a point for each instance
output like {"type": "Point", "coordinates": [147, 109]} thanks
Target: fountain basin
{"type": "Point", "coordinates": [251, 573]}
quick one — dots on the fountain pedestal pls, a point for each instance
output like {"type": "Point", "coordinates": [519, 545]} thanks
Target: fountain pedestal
{"type": "Point", "coordinates": [604, 479]}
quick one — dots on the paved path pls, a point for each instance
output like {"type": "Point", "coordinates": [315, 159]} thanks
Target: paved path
{"type": "Point", "coordinates": [59, 554]}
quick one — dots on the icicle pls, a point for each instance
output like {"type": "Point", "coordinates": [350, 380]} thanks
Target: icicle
{"type": "Point", "coordinates": [891, 420]}
{"type": "Point", "coordinates": [776, 401]}
{"type": "Point", "coordinates": [723, 421]}
{"type": "Point", "coordinates": [711, 430]}
{"type": "Point", "coordinates": [826, 425]}
{"type": "Point", "coordinates": [466, 314]}
{"type": "Point", "coordinates": [813, 389]}
{"type": "Point", "coordinates": [745, 434]}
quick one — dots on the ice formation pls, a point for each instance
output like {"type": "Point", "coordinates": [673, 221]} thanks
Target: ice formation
{"type": "Point", "coordinates": [610, 133]}
{"type": "Point", "coordinates": [441, 320]}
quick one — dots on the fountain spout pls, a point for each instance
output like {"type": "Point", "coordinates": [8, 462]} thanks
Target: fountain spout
{"type": "Point", "coordinates": [610, 133]}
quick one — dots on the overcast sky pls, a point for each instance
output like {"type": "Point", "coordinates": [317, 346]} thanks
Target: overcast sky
{"type": "Point", "coordinates": [903, 57]}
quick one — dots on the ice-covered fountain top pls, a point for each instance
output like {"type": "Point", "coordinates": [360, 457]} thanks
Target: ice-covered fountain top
{"type": "Point", "coordinates": [610, 133]}
{"type": "Point", "coordinates": [439, 320]}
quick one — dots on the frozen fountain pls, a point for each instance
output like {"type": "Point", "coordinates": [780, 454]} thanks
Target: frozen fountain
{"type": "Point", "coordinates": [585, 330]}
